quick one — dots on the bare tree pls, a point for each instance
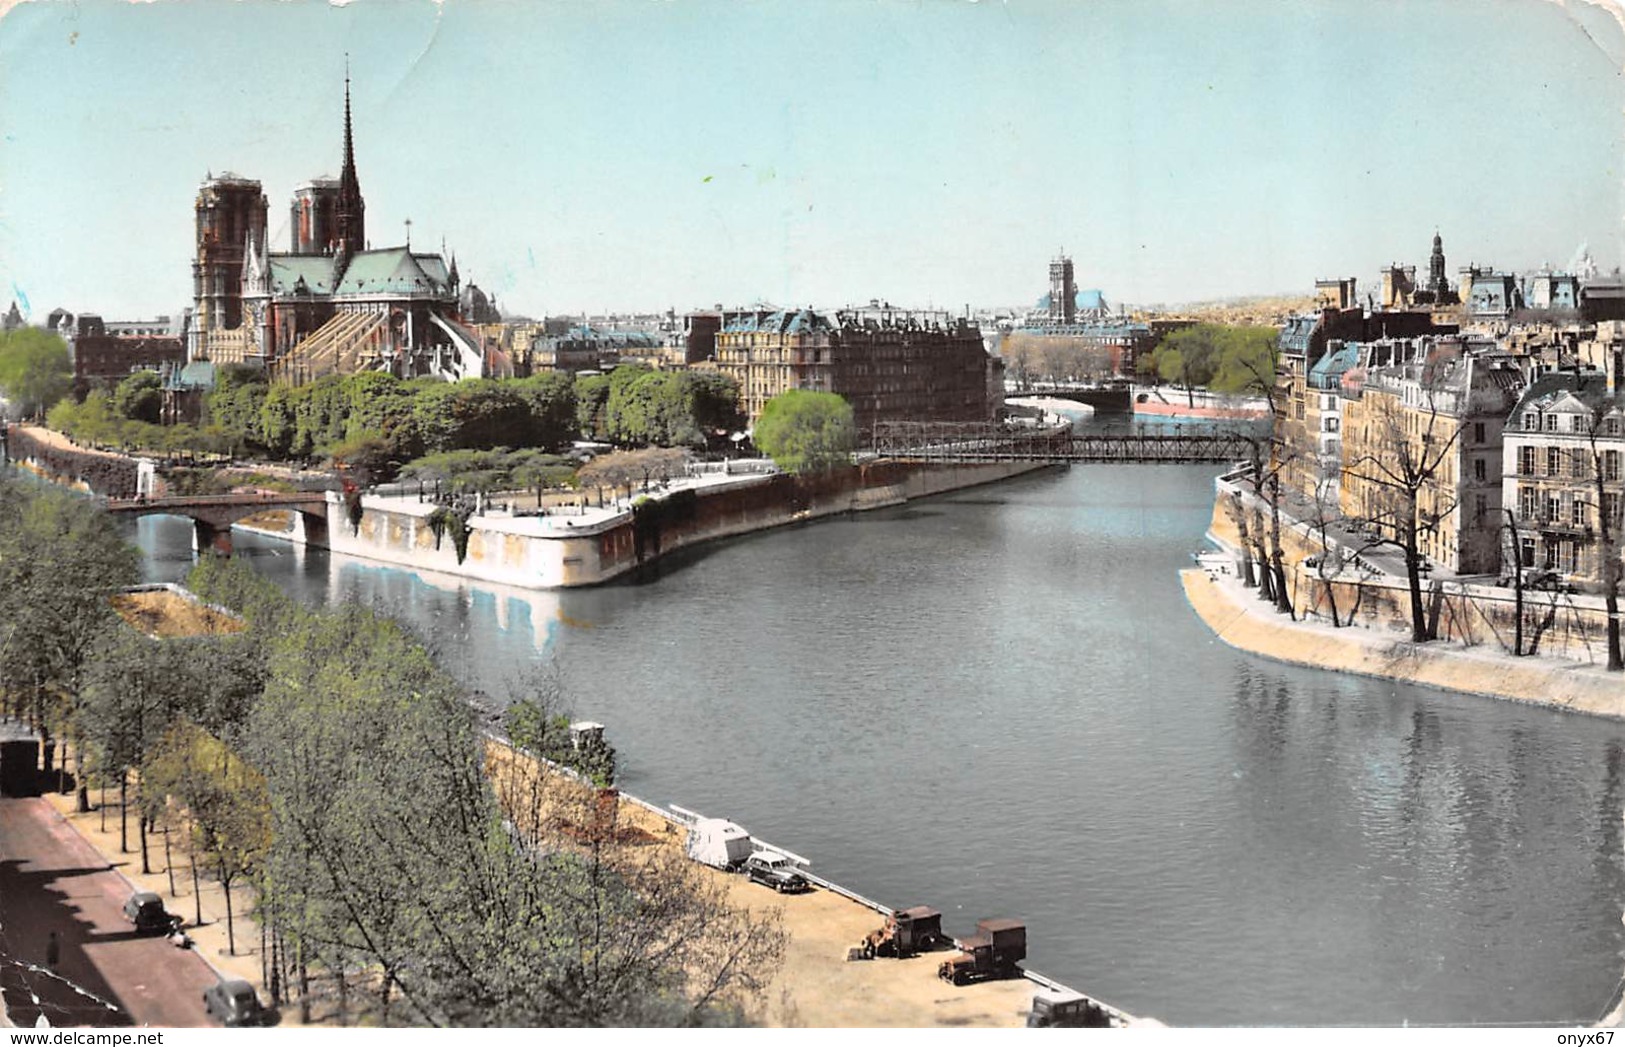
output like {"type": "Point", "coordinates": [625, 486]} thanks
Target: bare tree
{"type": "Point", "coordinates": [1268, 456]}
{"type": "Point", "coordinates": [1603, 466]}
{"type": "Point", "coordinates": [1404, 463]}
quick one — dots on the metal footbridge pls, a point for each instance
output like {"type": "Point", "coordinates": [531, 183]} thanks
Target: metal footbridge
{"type": "Point", "coordinates": [961, 442]}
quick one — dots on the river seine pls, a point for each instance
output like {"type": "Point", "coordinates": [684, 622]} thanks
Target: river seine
{"type": "Point", "coordinates": [998, 703]}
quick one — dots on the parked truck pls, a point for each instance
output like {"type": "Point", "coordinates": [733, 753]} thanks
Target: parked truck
{"type": "Point", "coordinates": [994, 951]}
{"type": "Point", "coordinates": [906, 932]}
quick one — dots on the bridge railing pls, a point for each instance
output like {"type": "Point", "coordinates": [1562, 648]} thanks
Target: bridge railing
{"type": "Point", "coordinates": [257, 498]}
{"type": "Point", "coordinates": [951, 441]}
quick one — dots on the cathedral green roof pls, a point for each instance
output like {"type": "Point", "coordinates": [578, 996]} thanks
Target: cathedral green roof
{"type": "Point", "coordinates": [286, 269]}
{"type": "Point", "coordinates": [394, 271]}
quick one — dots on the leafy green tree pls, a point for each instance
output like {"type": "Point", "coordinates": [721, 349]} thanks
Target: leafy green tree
{"type": "Point", "coordinates": [490, 413]}
{"type": "Point", "coordinates": [806, 432]}
{"type": "Point", "coordinates": [551, 397]}
{"type": "Point", "coordinates": [35, 370]}
{"type": "Point", "coordinates": [225, 801]}
{"type": "Point", "coordinates": [434, 416]}
{"type": "Point", "coordinates": [139, 397]}
{"type": "Point", "coordinates": [389, 849]}
{"type": "Point", "coordinates": [234, 405]}
{"type": "Point", "coordinates": [58, 565]}
{"type": "Point", "coordinates": [592, 406]}
{"type": "Point", "coordinates": [1246, 360]}
{"type": "Point", "coordinates": [367, 458]}
{"type": "Point", "coordinates": [713, 400]}
{"type": "Point", "coordinates": [128, 703]}
{"type": "Point", "coordinates": [1226, 359]}
{"type": "Point", "coordinates": [627, 417]}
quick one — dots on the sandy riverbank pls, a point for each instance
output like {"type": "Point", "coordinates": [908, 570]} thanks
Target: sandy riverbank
{"type": "Point", "coordinates": [816, 986]}
{"type": "Point", "coordinates": [1241, 620]}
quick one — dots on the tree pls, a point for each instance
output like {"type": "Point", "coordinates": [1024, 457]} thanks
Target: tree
{"type": "Point", "coordinates": [592, 404]}
{"type": "Point", "coordinates": [1268, 457]}
{"type": "Point", "coordinates": [140, 397]}
{"type": "Point", "coordinates": [713, 400]}
{"type": "Point", "coordinates": [125, 714]}
{"type": "Point", "coordinates": [367, 459]}
{"type": "Point", "coordinates": [1602, 467]}
{"type": "Point", "coordinates": [630, 468]}
{"type": "Point", "coordinates": [225, 801]}
{"type": "Point", "coordinates": [1401, 470]}
{"type": "Point", "coordinates": [551, 398]}
{"type": "Point", "coordinates": [806, 432]}
{"type": "Point", "coordinates": [1226, 359]}
{"type": "Point", "coordinates": [58, 565]}
{"type": "Point", "coordinates": [35, 369]}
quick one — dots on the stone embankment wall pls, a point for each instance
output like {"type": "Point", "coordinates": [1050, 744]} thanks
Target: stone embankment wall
{"type": "Point", "coordinates": [1250, 625]}
{"type": "Point", "coordinates": [1472, 614]}
{"type": "Point", "coordinates": [109, 474]}
{"type": "Point", "coordinates": [556, 552]}
{"type": "Point", "coordinates": [674, 523]}
{"type": "Point", "coordinates": [396, 530]}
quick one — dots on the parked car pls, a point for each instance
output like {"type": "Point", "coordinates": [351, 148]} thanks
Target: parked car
{"type": "Point", "coordinates": [771, 869]}
{"type": "Point", "coordinates": [146, 911]}
{"type": "Point", "coordinates": [231, 1001]}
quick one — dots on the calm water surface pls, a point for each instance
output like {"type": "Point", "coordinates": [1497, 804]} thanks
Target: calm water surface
{"type": "Point", "coordinates": [999, 703]}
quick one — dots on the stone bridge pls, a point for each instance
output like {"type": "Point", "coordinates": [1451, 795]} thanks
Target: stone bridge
{"type": "Point", "coordinates": [213, 514]}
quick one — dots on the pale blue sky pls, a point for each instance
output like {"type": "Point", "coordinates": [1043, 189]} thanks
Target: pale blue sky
{"type": "Point", "coordinates": [641, 154]}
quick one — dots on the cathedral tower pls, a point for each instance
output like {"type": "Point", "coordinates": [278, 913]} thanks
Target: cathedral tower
{"type": "Point", "coordinates": [230, 214]}
{"type": "Point", "coordinates": [313, 228]}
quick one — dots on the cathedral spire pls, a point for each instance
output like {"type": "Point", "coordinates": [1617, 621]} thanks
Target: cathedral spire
{"type": "Point", "coordinates": [349, 212]}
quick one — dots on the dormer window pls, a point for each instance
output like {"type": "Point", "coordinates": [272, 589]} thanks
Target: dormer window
{"type": "Point", "coordinates": [1551, 423]}
{"type": "Point", "coordinates": [1531, 420]}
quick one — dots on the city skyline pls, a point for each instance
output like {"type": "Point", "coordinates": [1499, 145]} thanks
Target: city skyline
{"type": "Point", "coordinates": [636, 156]}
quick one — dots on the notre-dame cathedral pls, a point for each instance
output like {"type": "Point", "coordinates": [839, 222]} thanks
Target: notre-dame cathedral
{"type": "Point", "coordinates": [331, 304]}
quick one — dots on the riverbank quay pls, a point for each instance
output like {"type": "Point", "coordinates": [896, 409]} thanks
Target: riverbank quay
{"type": "Point", "coordinates": [566, 547]}
{"type": "Point", "coordinates": [1240, 619]}
{"type": "Point", "coordinates": [1364, 583]}
{"type": "Point", "coordinates": [594, 545]}
{"type": "Point", "coordinates": [817, 984]}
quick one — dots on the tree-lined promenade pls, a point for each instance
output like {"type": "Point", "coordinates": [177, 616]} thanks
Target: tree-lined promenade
{"type": "Point", "coordinates": [325, 759]}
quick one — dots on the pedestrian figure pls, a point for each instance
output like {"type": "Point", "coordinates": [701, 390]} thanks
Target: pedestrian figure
{"type": "Point", "coordinates": [53, 951]}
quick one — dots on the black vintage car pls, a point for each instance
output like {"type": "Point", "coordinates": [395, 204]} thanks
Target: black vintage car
{"type": "Point", "coordinates": [774, 870]}
{"type": "Point", "coordinates": [146, 911]}
{"type": "Point", "coordinates": [231, 1001]}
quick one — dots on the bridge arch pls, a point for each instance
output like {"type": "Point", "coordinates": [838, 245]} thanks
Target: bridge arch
{"type": "Point", "coordinates": [213, 515]}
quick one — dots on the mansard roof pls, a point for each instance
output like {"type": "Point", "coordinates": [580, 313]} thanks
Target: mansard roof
{"type": "Point", "coordinates": [1572, 391]}
{"type": "Point", "coordinates": [783, 321]}
{"type": "Point", "coordinates": [1328, 370]}
{"type": "Point", "coordinates": [1297, 335]}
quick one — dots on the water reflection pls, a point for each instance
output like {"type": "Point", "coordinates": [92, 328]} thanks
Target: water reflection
{"type": "Point", "coordinates": [998, 703]}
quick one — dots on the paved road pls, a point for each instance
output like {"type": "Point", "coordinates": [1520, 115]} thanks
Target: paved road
{"type": "Point", "coordinates": [51, 879]}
